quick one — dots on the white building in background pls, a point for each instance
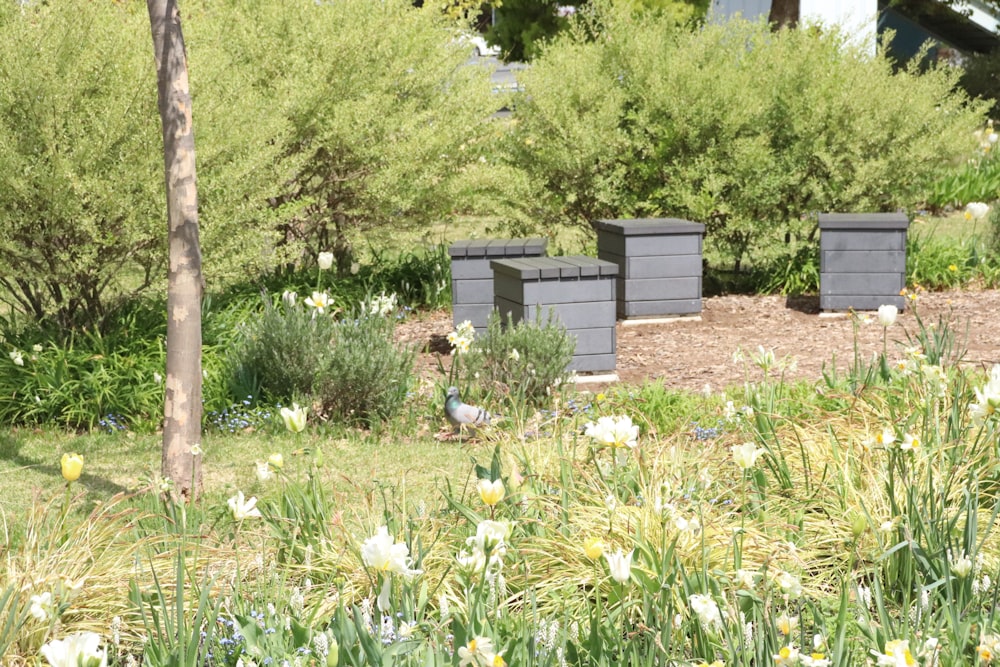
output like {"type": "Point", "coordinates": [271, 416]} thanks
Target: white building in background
{"type": "Point", "coordinates": [969, 26]}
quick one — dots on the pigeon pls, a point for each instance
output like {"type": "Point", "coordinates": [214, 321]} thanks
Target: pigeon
{"type": "Point", "coordinates": [459, 413]}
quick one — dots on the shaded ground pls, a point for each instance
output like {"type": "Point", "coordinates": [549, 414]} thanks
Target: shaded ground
{"type": "Point", "coordinates": [690, 353]}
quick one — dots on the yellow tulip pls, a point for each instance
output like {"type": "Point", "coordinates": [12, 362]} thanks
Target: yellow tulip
{"type": "Point", "coordinates": [276, 460]}
{"type": "Point", "coordinates": [593, 548]}
{"type": "Point", "coordinates": [491, 492]}
{"type": "Point", "coordinates": [72, 466]}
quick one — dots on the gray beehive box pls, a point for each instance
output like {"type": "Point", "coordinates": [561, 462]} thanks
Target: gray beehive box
{"type": "Point", "coordinates": [472, 277]}
{"type": "Point", "coordinates": [659, 262]}
{"type": "Point", "coordinates": [862, 260]}
{"type": "Point", "coordinates": [578, 291]}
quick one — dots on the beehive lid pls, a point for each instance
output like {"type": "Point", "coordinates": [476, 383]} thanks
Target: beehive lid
{"type": "Point", "coordinates": [866, 221]}
{"type": "Point", "coordinates": [650, 226]}
{"type": "Point", "coordinates": [538, 268]}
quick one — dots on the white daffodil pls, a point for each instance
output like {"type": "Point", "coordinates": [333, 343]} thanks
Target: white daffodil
{"type": "Point", "coordinates": [910, 443]}
{"type": "Point", "coordinates": [706, 610]}
{"type": "Point", "coordinates": [789, 584]}
{"type": "Point", "coordinates": [897, 654]}
{"type": "Point", "coordinates": [382, 552]}
{"type": "Point", "coordinates": [887, 314]}
{"type": "Point", "coordinates": [976, 210]}
{"type": "Point", "coordinates": [325, 260]}
{"type": "Point", "coordinates": [620, 565]}
{"type": "Point", "coordinates": [745, 456]}
{"type": "Point", "coordinates": [243, 508]}
{"type": "Point", "coordinates": [987, 398]}
{"type": "Point", "coordinates": [614, 431]}
{"type": "Point", "coordinates": [787, 624]}
{"type": "Point", "coordinates": [17, 357]}
{"type": "Point", "coordinates": [320, 301]}
{"type": "Point", "coordinates": [477, 653]}
{"type": "Point", "coordinates": [885, 438]}
{"type": "Point", "coordinates": [41, 606]}
{"type": "Point", "coordinates": [788, 656]}
{"type": "Point", "coordinates": [81, 649]}
{"type": "Point", "coordinates": [295, 418]}
{"type": "Point", "coordinates": [815, 659]}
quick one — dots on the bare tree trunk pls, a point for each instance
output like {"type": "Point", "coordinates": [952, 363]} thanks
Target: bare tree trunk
{"type": "Point", "coordinates": [180, 462]}
{"type": "Point", "coordinates": [784, 14]}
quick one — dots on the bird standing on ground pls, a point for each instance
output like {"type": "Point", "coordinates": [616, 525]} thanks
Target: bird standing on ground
{"type": "Point", "coordinates": [459, 413]}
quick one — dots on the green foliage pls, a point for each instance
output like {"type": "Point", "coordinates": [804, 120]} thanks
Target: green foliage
{"type": "Point", "coordinates": [80, 157]}
{"type": "Point", "coordinates": [87, 378]}
{"type": "Point", "coordinates": [975, 178]}
{"type": "Point", "coordinates": [385, 121]}
{"type": "Point", "coordinates": [935, 263]}
{"type": "Point", "coordinates": [748, 131]}
{"type": "Point", "coordinates": [520, 363]}
{"type": "Point", "coordinates": [281, 351]}
{"type": "Point", "coordinates": [298, 151]}
{"type": "Point", "coordinates": [81, 167]}
{"type": "Point", "coordinates": [365, 376]}
{"type": "Point", "coordinates": [524, 27]}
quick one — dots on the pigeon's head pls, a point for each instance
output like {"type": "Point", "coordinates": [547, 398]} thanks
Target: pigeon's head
{"type": "Point", "coordinates": [452, 392]}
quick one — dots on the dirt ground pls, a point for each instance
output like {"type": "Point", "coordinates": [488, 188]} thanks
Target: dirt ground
{"type": "Point", "coordinates": [692, 352]}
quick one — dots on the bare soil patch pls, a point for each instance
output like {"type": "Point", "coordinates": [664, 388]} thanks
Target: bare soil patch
{"type": "Point", "coordinates": [689, 353]}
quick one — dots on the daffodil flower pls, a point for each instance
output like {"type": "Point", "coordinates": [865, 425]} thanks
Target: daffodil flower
{"type": "Point", "coordinates": [319, 300]}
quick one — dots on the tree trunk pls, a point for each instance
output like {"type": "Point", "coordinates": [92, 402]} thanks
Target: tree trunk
{"type": "Point", "coordinates": [784, 14]}
{"type": "Point", "coordinates": [180, 462]}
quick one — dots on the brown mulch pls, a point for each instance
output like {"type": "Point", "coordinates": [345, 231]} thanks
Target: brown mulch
{"type": "Point", "coordinates": [692, 352]}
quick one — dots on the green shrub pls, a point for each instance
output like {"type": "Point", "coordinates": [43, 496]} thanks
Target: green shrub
{"type": "Point", "coordinates": [281, 350]}
{"type": "Point", "coordinates": [748, 131]}
{"type": "Point", "coordinates": [365, 376]}
{"type": "Point", "coordinates": [81, 160]}
{"type": "Point", "coordinates": [521, 363]}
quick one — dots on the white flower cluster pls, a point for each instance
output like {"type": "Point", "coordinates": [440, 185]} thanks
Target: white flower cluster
{"type": "Point", "coordinates": [384, 554]}
{"type": "Point", "coordinates": [486, 548]}
{"type": "Point", "coordinates": [382, 305]}
{"type": "Point", "coordinates": [461, 338]}
{"type": "Point", "coordinates": [614, 431]}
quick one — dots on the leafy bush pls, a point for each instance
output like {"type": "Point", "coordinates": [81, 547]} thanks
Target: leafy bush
{"type": "Point", "coordinates": [281, 350]}
{"type": "Point", "coordinates": [81, 166]}
{"type": "Point", "coordinates": [520, 362]}
{"type": "Point", "coordinates": [365, 376]}
{"type": "Point", "coordinates": [386, 126]}
{"type": "Point", "coordinates": [748, 131]}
